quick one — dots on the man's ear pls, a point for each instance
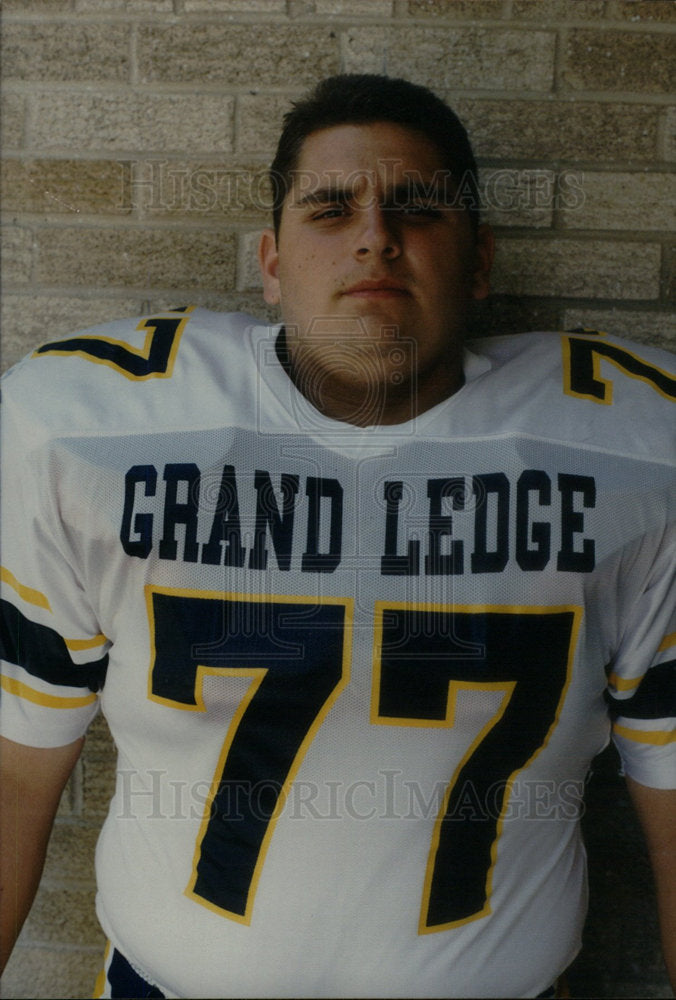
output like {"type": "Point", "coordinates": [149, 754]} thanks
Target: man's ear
{"type": "Point", "coordinates": [268, 259]}
{"type": "Point", "coordinates": [484, 253]}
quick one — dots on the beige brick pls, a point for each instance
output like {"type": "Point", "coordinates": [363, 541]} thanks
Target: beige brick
{"type": "Point", "coordinates": [654, 328]}
{"type": "Point", "coordinates": [643, 10]}
{"type": "Point", "coordinates": [237, 6]}
{"type": "Point", "coordinates": [246, 302]}
{"type": "Point", "coordinates": [26, 320]}
{"type": "Point", "coordinates": [353, 8]}
{"type": "Point", "coordinates": [236, 54]}
{"type": "Point", "coordinates": [124, 6]}
{"type": "Point", "coordinates": [16, 254]}
{"type": "Point", "coordinates": [669, 273]}
{"type": "Point", "coordinates": [619, 60]}
{"type": "Point", "coordinates": [99, 740]}
{"type": "Point", "coordinates": [518, 197]}
{"type": "Point", "coordinates": [65, 51]}
{"type": "Point", "coordinates": [633, 201]}
{"type": "Point", "coordinates": [300, 8]}
{"type": "Point", "coordinates": [201, 189]}
{"type": "Point", "coordinates": [444, 58]}
{"type": "Point", "coordinates": [135, 259]}
{"type": "Point", "coordinates": [576, 269]}
{"type": "Point", "coordinates": [64, 916]}
{"type": "Point", "coordinates": [66, 186]}
{"type": "Point", "coordinates": [248, 271]}
{"type": "Point", "coordinates": [260, 122]}
{"type": "Point", "coordinates": [669, 138]}
{"type": "Point", "coordinates": [99, 785]}
{"type": "Point", "coordinates": [36, 6]}
{"type": "Point", "coordinates": [546, 11]}
{"type": "Point", "coordinates": [455, 9]}
{"type": "Point", "coordinates": [51, 975]}
{"type": "Point", "coordinates": [564, 131]}
{"type": "Point", "coordinates": [136, 123]}
{"type": "Point", "coordinates": [11, 120]}
{"type": "Point", "coordinates": [500, 314]}
{"type": "Point", "coordinates": [70, 855]}
{"type": "Point", "coordinates": [364, 50]}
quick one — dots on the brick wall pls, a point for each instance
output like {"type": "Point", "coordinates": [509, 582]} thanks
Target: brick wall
{"type": "Point", "coordinates": [135, 136]}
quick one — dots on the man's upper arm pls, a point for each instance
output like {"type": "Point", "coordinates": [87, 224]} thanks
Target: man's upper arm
{"type": "Point", "coordinates": [44, 771]}
{"type": "Point", "coordinates": [32, 780]}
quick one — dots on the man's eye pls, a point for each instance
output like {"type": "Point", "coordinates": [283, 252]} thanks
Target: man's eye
{"type": "Point", "coordinates": [332, 212]}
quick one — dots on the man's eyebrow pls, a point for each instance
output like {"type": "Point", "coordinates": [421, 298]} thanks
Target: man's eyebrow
{"type": "Point", "coordinates": [413, 188]}
{"type": "Point", "coordinates": [330, 194]}
{"type": "Point", "coordinates": [399, 194]}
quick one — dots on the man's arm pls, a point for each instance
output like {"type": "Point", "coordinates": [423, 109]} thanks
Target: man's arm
{"type": "Point", "coordinates": [656, 808]}
{"type": "Point", "coordinates": [31, 782]}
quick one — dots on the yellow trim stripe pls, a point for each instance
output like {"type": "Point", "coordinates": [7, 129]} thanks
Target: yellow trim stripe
{"type": "Point", "coordinates": [28, 594]}
{"type": "Point", "coordinates": [645, 735]}
{"type": "Point", "coordinates": [624, 683]}
{"type": "Point", "coordinates": [48, 700]}
{"type": "Point", "coordinates": [607, 383]}
{"type": "Point", "coordinates": [77, 644]}
{"type": "Point", "coordinates": [139, 352]}
{"type": "Point", "coordinates": [667, 642]}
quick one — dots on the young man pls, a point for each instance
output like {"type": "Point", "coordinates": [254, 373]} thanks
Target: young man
{"type": "Point", "coordinates": [359, 604]}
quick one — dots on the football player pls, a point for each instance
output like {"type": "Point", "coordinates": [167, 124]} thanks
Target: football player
{"type": "Point", "coordinates": [359, 600]}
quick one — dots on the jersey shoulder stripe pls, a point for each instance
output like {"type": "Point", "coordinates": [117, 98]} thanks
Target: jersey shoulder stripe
{"type": "Point", "coordinates": [654, 698]}
{"type": "Point", "coordinates": [20, 690]}
{"type": "Point", "coordinates": [589, 391]}
{"type": "Point", "coordinates": [43, 653]}
{"type": "Point", "coordinates": [167, 371]}
{"type": "Point", "coordinates": [191, 369]}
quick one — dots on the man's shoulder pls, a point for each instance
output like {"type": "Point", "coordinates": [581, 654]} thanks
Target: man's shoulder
{"type": "Point", "coordinates": [555, 346]}
{"type": "Point", "coordinates": [584, 387]}
{"type": "Point", "coordinates": [126, 371]}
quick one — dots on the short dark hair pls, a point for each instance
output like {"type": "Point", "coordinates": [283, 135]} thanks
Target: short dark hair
{"type": "Point", "coordinates": [364, 98]}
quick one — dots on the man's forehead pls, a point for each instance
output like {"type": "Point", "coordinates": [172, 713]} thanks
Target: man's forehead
{"type": "Point", "coordinates": [372, 145]}
{"type": "Point", "coordinates": [354, 158]}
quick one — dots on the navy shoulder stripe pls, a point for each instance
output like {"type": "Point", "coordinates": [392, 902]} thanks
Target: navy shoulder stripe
{"type": "Point", "coordinates": [654, 698]}
{"type": "Point", "coordinates": [43, 653]}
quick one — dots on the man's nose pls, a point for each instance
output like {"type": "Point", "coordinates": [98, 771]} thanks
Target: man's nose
{"type": "Point", "coordinates": [377, 232]}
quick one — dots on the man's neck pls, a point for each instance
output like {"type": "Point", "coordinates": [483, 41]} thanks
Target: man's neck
{"type": "Point", "coordinates": [338, 393]}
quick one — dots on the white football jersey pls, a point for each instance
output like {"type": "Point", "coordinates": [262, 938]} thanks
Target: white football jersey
{"type": "Point", "coordinates": [355, 675]}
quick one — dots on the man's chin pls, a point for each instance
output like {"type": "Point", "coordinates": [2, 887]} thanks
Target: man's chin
{"type": "Point", "coordinates": [371, 325]}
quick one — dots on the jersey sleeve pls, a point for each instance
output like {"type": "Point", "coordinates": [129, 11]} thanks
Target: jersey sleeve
{"type": "Point", "coordinates": [642, 683]}
{"type": "Point", "coordinates": [53, 653]}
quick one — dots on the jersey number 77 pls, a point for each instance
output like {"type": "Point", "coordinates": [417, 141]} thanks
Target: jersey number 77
{"type": "Point", "coordinates": [297, 653]}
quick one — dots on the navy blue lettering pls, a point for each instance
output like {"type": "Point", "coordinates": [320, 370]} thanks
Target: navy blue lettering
{"type": "Point", "coordinates": [483, 560]}
{"type": "Point", "coordinates": [180, 512]}
{"type": "Point", "coordinates": [313, 560]}
{"type": "Point", "coordinates": [537, 532]}
{"type": "Point", "coordinates": [391, 563]}
{"type": "Point", "coordinates": [569, 558]}
{"type": "Point", "coordinates": [269, 517]}
{"type": "Point", "coordinates": [142, 525]}
{"type": "Point", "coordinates": [438, 563]}
{"type": "Point", "coordinates": [226, 526]}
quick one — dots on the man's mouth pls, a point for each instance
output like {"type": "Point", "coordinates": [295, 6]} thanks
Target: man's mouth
{"type": "Point", "coordinates": [377, 288]}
